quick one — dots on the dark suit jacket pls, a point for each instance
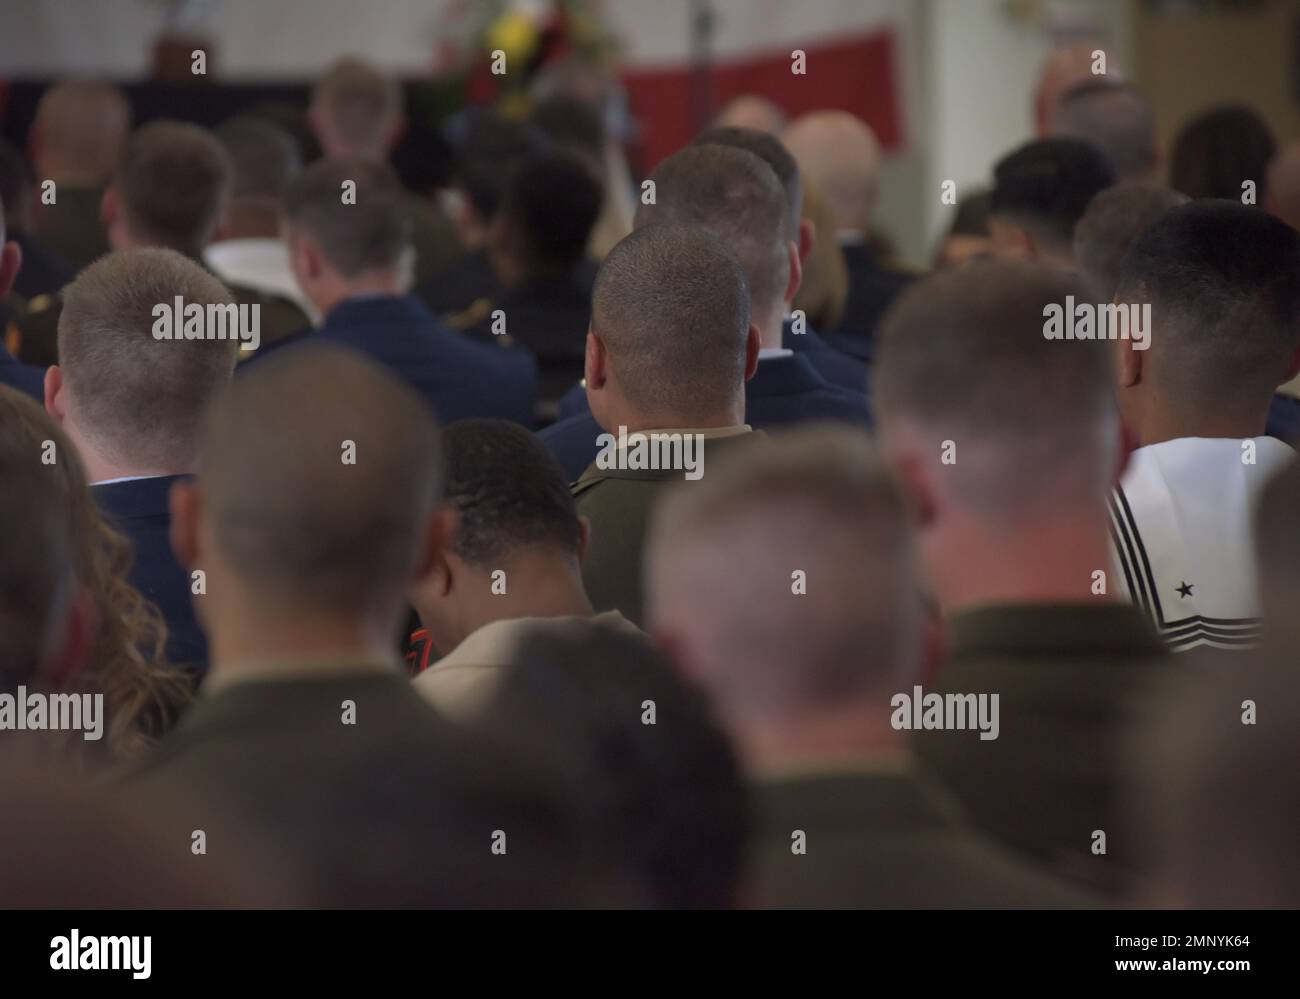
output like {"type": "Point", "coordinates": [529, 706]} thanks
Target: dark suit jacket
{"type": "Point", "coordinates": [784, 391]}
{"type": "Point", "coordinates": [873, 286]}
{"type": "Point", "coordinates": [396, 808]}
{"type": "Point", "coordinates": [884, 840]}
{"type": "Point", "coordinates": [43, 271]}
{"type": "Point", "coordinates": [22, 377]}
{"type": "Point", "coordinates": [618, 503]}
{"type": "Point", "coordinates": [458, 286]}
{"type": "Point", "coordinates": [458, 377]}
{"type": "Point", "coordinates": [1075, 682]}
{"type": "Point", "coordinates": [837, 368]}
{"type": "Point", "coordinates": [138, 509]}
{"type": "Point", "coordinates": [71, 227]}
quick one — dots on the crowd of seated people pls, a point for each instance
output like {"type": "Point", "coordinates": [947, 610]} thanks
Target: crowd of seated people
{"type": "Point", "coordinates": [570, 540]}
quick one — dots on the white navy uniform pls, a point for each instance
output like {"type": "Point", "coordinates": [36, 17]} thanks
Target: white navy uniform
{"type": "Point", "coordinates": [1183, 536]}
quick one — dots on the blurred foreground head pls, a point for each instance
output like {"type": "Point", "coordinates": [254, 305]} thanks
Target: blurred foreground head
{"type": "Point", "coordinates": [785, 584]}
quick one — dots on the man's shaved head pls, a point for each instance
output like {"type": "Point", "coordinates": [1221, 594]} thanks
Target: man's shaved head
{"type": "Point", "coordinates": [289, 513]}
{"type": "Point", "coordinates": [1114, 219]}
{"type": "Point", "coordinates": [672, 307]}
{"type": "Point", "coordinates": [962, 358]}
{"type": "Point", "coordinates": [736, 196]}
{"type": "Point", "coordinates": [751, 111]}
{"type": "Point", "coordinates": [1223, 283]}
{"type": "Point", "coordinates": [79, 131]}
{"type": "Point", "coordinates": [719, 575]}
{"type": "Point", "coordinates": [768, 148]}
{"type": "Point", "coordinates": [840, 154]}
{"type": "Point", "coordinates": [136, 399]}
{"type": "Point", "coordinates": [1116, 119]}
{"type": "Point", "coordinates": [1284, 185]}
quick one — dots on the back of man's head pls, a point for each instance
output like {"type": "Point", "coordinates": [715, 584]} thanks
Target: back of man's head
{"type": "Point", "coordinates": [135, 399]}
{"type": "Point", "coordinates": [967, 382]}
{"type": "Point", "coordinates": [727, 562]}
{"type": "Point", "coordinates": [671, 306]}
{"type": "Point", "coordinates": [737, 197]}
{"type": "Point", "coordinates": [320, 474]}
{"type": "Point", "coordinates": [37, 583]}
{"type": "Point", "coordinates": [549, 208]}
{"type": "Point", "coordinates": [1223, 283]}
{"type": "Point", "coordinates": [353, 210]}
{"type": "Point", "coordinates": [1218, 152]}
{"type": "Point", "coordinates": [79, 131]}
{"type": "Point", "coordinates": [768, 148]}
{"type": "Point", "coordinates": [663, 805]}
{"type": "Point", "coordinates": [1115, 118]}
{"type": "Point", "coordinates": [356, 110]}
{"type": "Point", "coordinates": [1044, 187]}
{"type": "Point", "coordinates": [509, 494]}
{"type": "Point", "coordinates": [264, 156]}
{"type": "Point", "coordinates": [173, 181]}
{"type": "Point", "coordinates": [1114, 219]}
{"type": "Point", "coordinates": [839, 153]}
{"type": "Point", "coordinates": [487, 155]}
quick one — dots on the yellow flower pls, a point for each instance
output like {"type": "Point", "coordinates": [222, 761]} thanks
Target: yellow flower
{"type": "Point", "coordinates": [514, 34]}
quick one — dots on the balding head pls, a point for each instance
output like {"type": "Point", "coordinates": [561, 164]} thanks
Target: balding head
{"type": "Point", "coordinates": [132, 399]}
{"type": "Point", "coordinates": [1064, 68]}
{"type": "Point", "coordinates": [736, 196]}
{"type": "Point", "coordinates": [1284, 185]}
{"type": "Point", "coordinates": [963, 359]}
{"type": "Point", "coordinates": [724, 595]}
{"type": "Point", "coordinates": [671, 309]}
{"type": "Point", "coordinates": [751, 111]}
{"type": "Point", "coordinates": [1115, 118]}
{"type": "Point", "coordinates": [356, 110]}
{"type": "Point", "coordinates": [319, 476]}
{"type": "Point", "coordinates": [79, 131]}
{"type": "Point", "coordinates": [840, 154]}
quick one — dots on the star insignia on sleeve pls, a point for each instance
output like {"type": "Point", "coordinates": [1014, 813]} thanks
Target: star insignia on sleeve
{"type": "Point", "coordinates": [1186, 589]}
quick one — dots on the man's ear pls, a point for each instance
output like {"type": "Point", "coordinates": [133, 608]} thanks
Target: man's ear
{"type": "Point", "coordinates": [596, 362]}
{"type": "Point", "coordinates": [584, 536]}
{"type": "Point", "coordinates": [186, 506]}
{"type": "Point", "coordinates": [56, 403]}
{"type": "Point", "coordinates": [437, 541]}
{"type": "Point", "coordinates": [11, 262]}
{"type": "Point", "coordinates": [914, 478]}
{"type": "Point", "coordinates": [110, 207]}
{"type": "Point", "coordinates": [1130, 364]}
{"type": "Point", "coordinates": [753, 344]}
{"type": "Point", "coordinates": [796, 272]}
{"type": "Point", "coordinates": [807, 238]}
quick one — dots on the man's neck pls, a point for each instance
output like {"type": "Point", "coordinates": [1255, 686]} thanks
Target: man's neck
{"type": "Point", "coordinates": [637, 422]}
{"type": "Point", "coordinates": [254, 641]}
{"type": "Point", "coordinates": [534, 587]}
{"type": "Point", "coordinates": [1046, 561]}
{"type": "Point", "coordinates": [854, 735]}
{"type": "Point", "coordinates": [102, 469]}
{"type": "Point", "coordinates": [1166, 424]}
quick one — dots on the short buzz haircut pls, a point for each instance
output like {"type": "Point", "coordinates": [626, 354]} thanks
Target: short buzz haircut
{"type": "Point", "coordinates": [1223, 283]}
{"type": "Point", "coordinates": [363, 234]}
{"type": "Point", "coordinates": [265, 156]}
{"type": "Point", "coordinates": [672, 307]}
{"type": "Point", "coordinates": [1115, 118]}
{"type": "Point", "coordinates": [770, 150]}
{"type": "Point", "coordinates": [719, 569]}
{"type": "Point", "coordinates": [37, 581]}
{"type": "Point", "coordinates": [139, 399]}
{"type": "Point", "coordinates": [1045, 187]}
{"type": "Point", "coordinates": [291, 515]}
{"type": "Point", "coordinates": [173, 180]}
{"type": "Point", "coordinates": [736, 196]}
{"type": "Point", "coordinates": [550, 206]}
{"type": "Point", "coordinates": [509, 493]}
{"type": "Point", "coordinates": [962, 357]}
{"type": "Point", "coordinates": [1114, 219]}
{"type": "Point", "coordinates": [361, 103]}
